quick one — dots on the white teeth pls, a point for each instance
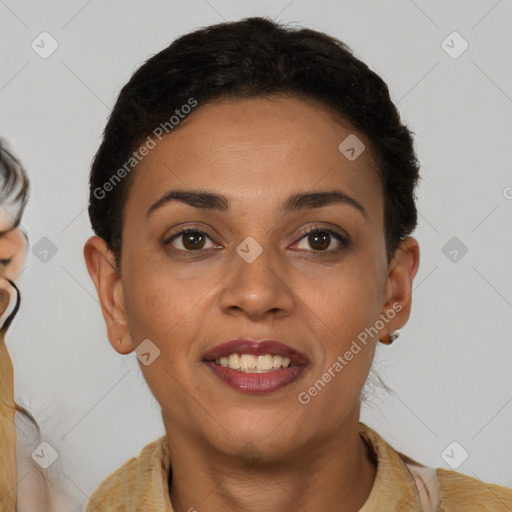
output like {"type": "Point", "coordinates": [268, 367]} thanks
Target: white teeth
{"type": "Point", "coordinates": [277, 361]}
{"type": "Point", "coordinates": [264, 362]}
{"type": "Point", "coordinates": [247, 362]}
{"type": "Point", "coordinates": [252, 363]}
{"type": "Point", "coordinates": [234, 361]}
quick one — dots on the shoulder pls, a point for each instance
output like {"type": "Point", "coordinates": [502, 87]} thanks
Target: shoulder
{"type": "Point", "coordinates": [125, 485]}
{"type": "Point", "coordinates": [437, 488]}
{"type": "Point", "coordinates": [461, 492]}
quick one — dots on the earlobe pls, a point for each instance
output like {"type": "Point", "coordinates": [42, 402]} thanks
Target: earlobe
{"type": "Point", "coordinates": [102, 269]}
{"type": "Point", "coordinates": [398, 294]}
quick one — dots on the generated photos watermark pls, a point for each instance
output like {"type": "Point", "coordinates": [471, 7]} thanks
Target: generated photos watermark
{"type": "Point", "coordinates": [305, 397]}
{"type": "Point", "coordinates": [144, 149]}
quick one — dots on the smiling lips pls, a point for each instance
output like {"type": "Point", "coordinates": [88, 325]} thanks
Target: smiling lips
{"type": "Point", "coordinates": [256, 366]}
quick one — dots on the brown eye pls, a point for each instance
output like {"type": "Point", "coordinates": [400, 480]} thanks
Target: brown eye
{"type": "Point", "coordinates": [190, 240]}
{"type": "Point", "coordinates": [320, 239]}
{"type": "Point", "coordinates": [193, 240]}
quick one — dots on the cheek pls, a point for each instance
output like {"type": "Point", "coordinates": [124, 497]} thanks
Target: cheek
{"type": "Point", "coordinates": [349, 344]}
{"type": "Point", "coordinates": [170, 311]}
{"type": "Point", "coordinates": [163, 312]}
{"type": "Point", "coordinates": [350, 297]}
{"type": "Point", "coordinates": [335, 384]}
{"type": "Point", "coordinates": [157, 308]}
{"type": "Point", "coordinates": [348, 305]}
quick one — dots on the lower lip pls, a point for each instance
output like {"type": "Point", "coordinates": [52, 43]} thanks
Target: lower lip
{"type": "Point", "coordinates": [256, 383]}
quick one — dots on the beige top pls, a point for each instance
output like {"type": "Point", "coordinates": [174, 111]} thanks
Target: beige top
{"type": "Point", "coordinates": [8, 467]}
{"type": "Point", "coordinates": [401, 484]}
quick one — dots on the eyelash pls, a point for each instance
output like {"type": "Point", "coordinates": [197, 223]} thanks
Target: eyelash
{"type": "Point", "coordinates": [344, 241]}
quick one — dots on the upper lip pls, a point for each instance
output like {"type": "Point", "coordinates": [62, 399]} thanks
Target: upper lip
{"type": "Point", "coordinates": [243, 346]}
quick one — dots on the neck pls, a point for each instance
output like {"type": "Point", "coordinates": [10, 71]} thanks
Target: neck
{"type": "Point", "coordinates": [334, 474]}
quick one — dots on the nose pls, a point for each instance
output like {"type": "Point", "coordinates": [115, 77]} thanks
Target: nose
{"type": "Point", "coordinates": [257, 289]}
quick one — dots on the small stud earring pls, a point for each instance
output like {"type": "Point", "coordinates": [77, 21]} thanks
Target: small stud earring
{"type": "Point", "coordinates": [393, 335]}
{"type": "Point", "coordinates": [119, 341]}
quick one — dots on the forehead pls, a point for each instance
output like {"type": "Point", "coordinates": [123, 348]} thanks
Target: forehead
{"type": "Point", "coordinates": [257, 150]}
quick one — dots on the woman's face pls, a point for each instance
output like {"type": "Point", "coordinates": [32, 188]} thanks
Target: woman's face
{"type": "Point", "coordinates": [253, 272]}
{"type": "Point", "coordinates": [13, 249]}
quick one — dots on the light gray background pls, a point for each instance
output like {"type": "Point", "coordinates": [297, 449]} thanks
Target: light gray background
{"type": "Point", "coordinates": [451, 367]}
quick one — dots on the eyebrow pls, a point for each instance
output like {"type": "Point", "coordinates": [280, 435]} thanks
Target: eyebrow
{"type": "Point", "coordinates": [212, 201]}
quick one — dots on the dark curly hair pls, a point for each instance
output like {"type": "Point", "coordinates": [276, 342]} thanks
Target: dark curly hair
{"type": "Point", "coordinates": [250, 58]}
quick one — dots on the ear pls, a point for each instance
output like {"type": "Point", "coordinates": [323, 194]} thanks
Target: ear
{"type": "Point", "coordinates": [102, 269]}
{"type": "Point", "coordinates": [398, 294]}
